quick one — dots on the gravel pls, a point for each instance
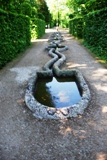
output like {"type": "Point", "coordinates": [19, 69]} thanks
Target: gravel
{"type": "Point", "coordinates": [24, 137]}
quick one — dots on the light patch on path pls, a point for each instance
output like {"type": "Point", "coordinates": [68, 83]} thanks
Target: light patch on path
{"type": "Point", "coordinates": [24, 73]}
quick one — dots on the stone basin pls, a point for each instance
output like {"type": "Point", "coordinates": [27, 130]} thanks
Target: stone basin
{"type": "Point", "coordinates": [41, 111]}
{"type": "Point", "coordinates": [50, 69]}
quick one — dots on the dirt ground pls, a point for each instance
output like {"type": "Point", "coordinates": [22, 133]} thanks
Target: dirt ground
{"type": "Point", "coordinates": [24, 137]}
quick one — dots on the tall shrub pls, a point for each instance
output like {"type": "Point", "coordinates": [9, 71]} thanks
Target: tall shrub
{"type": "Point", "coordinates": [14, 35]}
{"type": "Point", "coordinates": [76, 27]}
{"type": "Point", "coordinates": [26, 9]}
{"type": "Point", "coordinates": [95, 32]}
{"type": "Point", "coordinates": [37, 28]}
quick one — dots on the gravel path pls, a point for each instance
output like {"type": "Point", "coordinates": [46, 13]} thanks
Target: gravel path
{"type": "Point", "coordinates": [23, 137]}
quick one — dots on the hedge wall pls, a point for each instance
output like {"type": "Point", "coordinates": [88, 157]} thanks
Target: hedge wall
{"type": "Point", "coordinates": [14, 35]}
{"type": "Point", "coordinates": [95, 32]}
{"type": "Point", "coordinates": [37, 28]}
{"type": "Point", "coordinates": [76, 27]}
{"type": "Point", "coordinates": [93, 29]}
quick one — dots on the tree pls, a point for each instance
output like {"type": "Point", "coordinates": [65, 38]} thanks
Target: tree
{"type": "Point", "coordinates": [59, 11]}
{"type": "Point", "coordinates": [43, 9]}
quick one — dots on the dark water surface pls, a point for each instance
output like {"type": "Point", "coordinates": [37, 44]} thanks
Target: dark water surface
{"type": "Point", "coordinates": [57, 92]}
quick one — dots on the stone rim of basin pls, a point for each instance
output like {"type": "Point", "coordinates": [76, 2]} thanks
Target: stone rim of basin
{"type": "Point", "coordinates": [41, 111]}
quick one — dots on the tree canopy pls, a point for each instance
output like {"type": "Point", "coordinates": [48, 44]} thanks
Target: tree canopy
{"type": "Point", "coordinates": [59, 10]}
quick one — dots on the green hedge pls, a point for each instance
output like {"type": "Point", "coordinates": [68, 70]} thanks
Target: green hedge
{"type": "Point", "coordinates": [93, 29]}
{"type": "Point", "coordinates": [37, 28]}
{"type": "Point", "coordinates": [14, 35]}
{"type": "Point", "coordinates": [76, 27]}
{"type": "Point", "coordinates": [95, 32]}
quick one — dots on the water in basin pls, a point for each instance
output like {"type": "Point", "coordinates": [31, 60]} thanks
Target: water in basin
{"type": "Point", "coordinates": [57, 92]}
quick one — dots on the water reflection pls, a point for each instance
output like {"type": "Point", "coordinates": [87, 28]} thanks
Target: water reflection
{"type": "Point", "coordinates": [57, 92]}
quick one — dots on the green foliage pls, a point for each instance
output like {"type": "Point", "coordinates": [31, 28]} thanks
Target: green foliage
{"type": "Point", "coordinates": [93, 29]}
{"type": "Point", "coordinates": [59, 12]}
{"type": "Point", "coordinates": [26, 9]}
{"type": "Point", "coordinates": [37, 28]}
{"type": "Point", "coordinates": [5, 4]}
{"type": "Point", "coordinates": [71, 16]}
{"type": "Point", "coordinates": [52, 24]}
{"type": "Point", "coordinates": [14, 35]}
{"type": "Point", "coordinates": [34, 12]}
{"type": "Point", "coordinates": [43, 10]}
{"type": "Point", "coordinates": [76, 27]}
{"type": "Point", "coordinates": [95, 32]}
{"type": "Point", "coordinates": [82, 7]}
{"type": "Point", "coordinates": [64, 23]}
{"type": "Point", "coordinates": [92, 5]}
{"type": "Point", "coordinates": [40, 16]}
{"type": "Point", "coordinates": [16, 29]}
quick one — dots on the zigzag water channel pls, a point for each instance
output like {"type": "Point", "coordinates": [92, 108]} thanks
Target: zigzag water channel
{"type": "Point", "coordinates": [51, 69]}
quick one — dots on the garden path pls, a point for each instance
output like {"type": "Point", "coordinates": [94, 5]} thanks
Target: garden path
{"type": "Point", "coordinates": [24, 137]}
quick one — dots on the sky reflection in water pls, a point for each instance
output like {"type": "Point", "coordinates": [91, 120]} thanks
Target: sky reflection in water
{"type": "Point", "coordinates": [57, 92]}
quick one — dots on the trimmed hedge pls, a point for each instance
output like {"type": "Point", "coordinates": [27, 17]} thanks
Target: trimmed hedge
{"type": "Point", "coordinates": [16, 31]}
{"type": "Point", "coordinates": [14, 35]}
{"type": "Point", "coordinates": [93, 29]}
{"type": "Point", "coordinates": [95, 32]}
{"type": "Point", "coordinates": [37, 28]}
{"type": "Point", "coordinates": [76, 27]}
